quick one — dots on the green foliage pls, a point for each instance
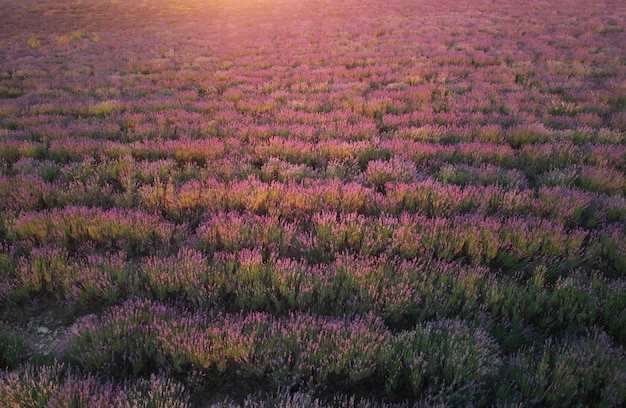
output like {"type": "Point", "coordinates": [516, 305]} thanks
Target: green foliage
{"type": "Point", "coordinates": [12, 348]}
{"type": "Point", "coordinates": [588, 370]}
{"type": "Point", "coordinates": [447, 360]}
{"type": "Point", "coordinates": [566, 305]}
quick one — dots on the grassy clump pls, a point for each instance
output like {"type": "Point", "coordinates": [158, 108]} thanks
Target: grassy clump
{"type": "Point", "coordinates": [12, 348]}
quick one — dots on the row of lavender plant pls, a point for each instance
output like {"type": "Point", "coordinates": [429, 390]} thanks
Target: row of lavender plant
{"type": "Point", "coordinates": [442, 361]}
{"type": "Point", "coordinates": [532, 159]}
{"type": "Point", "coordinates": [58, 385]}
{"type": "Point", "coordinates": [542, 299]}
{"type": "Point", "coordinates": [185, 193]}
{"type": "Point", "coordinates": [506, 242]}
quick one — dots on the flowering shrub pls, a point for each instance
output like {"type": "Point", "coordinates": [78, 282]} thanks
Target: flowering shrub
{"type": "Point", "coordinates": [318, 350]}
{"type": "Point", "coordinates": [565, 372]}
{"type": "Point", "coordinates": [232, 232]}
{"type": "Point", "coordinates": [184, 274]}
{"type": "Point", "coordinates": [193, 346]}
{"type": "Point", "coordinates": [450, 360]}
{"type": "Point", "coordinates": [71, 228]}
{"type": "Point", "coordinates": [59, 386]}
{"type": "Point", "coordinates": [299, 399]}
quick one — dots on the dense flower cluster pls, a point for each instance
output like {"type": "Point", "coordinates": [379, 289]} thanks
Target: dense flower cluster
{"type": "Point", "coordinates": [346, 203]}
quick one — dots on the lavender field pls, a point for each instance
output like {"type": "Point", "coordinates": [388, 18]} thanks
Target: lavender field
{"type": "Point", "coordinates": [312, 203]}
